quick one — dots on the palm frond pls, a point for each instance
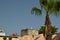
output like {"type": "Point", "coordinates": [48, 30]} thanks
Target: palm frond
{"type": "Point", "coordinates": [52, 6]}
{"type": "Point", "coordinates": [43, 2]}
{"type": "Point", "coordinates": [56, 8]}
{"type": "Point", "coordinates": [36, 11]}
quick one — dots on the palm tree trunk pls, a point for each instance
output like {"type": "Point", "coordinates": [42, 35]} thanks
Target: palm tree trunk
{"type": "Point", "coordinates": [47, 20]}
{"type": "Point", "coordinates": [48, 27]}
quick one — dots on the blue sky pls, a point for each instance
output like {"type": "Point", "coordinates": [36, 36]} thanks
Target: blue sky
{"type": "Point", "coordinates": [16, 15]}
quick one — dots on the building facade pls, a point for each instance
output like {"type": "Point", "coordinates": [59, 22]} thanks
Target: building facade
{"type": "Point", "coordinates": [31, 32]}
{"type": "Point", "coordinates": [8, 38]}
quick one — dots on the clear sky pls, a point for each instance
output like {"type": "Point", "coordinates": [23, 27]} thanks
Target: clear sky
{"type": "Point", "coordinates": [16, 15]}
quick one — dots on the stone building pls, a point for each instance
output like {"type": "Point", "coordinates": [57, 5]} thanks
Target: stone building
{"type": "Point", "coordinates": [31, 32]}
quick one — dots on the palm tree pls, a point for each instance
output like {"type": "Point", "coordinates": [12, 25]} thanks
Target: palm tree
{"type": "Point", "coordinates": [50, 7]}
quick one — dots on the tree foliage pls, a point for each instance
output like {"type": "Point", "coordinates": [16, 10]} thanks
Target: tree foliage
{"type": "Point", "coordinates": [50, 6]}
{"type": "Point", "coordinates": [42, 30]}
